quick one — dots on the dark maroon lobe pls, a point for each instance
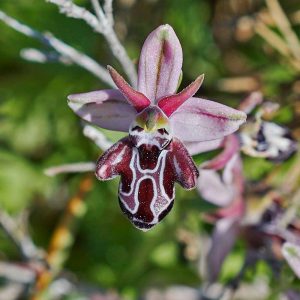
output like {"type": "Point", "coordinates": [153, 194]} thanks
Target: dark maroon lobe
{"type": "Point", "coordinates": [148, 175]}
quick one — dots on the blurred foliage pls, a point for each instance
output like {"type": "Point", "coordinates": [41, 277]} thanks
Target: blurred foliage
{"type": "Point", "coordinates": [38, 130]}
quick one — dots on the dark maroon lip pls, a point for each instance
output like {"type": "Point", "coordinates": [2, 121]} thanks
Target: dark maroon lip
{"type": "Point", "coordinates": [142, 225]}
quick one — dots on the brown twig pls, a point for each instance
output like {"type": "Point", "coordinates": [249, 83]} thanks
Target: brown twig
{"type": "Point", "coordinates": [62, 238]}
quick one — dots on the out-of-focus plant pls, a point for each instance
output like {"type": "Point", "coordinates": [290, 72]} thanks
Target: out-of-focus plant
{"type": "Point", "coordinates": [266, 231]}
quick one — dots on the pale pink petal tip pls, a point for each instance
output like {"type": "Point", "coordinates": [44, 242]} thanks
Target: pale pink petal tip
{"type": "Point", "coordinates": [160, 64]}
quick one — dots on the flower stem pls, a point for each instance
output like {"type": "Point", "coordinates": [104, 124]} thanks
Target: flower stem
{"type": "Point", "coordinates": [62, 238]}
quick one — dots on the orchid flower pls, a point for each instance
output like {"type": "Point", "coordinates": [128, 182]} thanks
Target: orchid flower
{"type": "Point", "coordinates": [163, 127]}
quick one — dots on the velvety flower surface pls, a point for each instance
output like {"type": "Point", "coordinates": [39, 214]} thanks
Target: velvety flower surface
{"type": "Point", "coordinates": [163, 127]}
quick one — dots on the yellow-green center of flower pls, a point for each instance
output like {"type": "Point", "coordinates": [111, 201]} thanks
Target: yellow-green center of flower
{"type": "Point", "coordinates": [152, 119]}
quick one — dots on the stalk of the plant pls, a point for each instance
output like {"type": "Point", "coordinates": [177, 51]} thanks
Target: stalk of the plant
{"type": "Point", "coordinates": [62, 238]}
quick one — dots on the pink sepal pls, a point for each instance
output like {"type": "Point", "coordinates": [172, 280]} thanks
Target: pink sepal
{"type": "Point", "coordinates": [198, 120]}
{"type": "Point", "coordinates": [138, 100]}
{"type": "Point", "coordinates": [160, 64]}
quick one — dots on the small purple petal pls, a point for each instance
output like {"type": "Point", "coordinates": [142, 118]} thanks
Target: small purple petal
{"type": "Point", "coordinates": [105, 108]}
{"type": "Point", "coordinates": [291, 253]}
{"type": "Point", "coordinates": [136, 99]}
{"type": "Point", "coordinates": [170, 104]}
{"type": "Point", "coordinates": [160, 64]}
{"type": "Point", "coordinates": [204, 120]}
{"type": "Point", "coordinates": [223, 240]}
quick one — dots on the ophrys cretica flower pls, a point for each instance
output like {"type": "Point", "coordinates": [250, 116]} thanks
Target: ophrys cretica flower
{"type": "Point", "coordinates": [164, 128]}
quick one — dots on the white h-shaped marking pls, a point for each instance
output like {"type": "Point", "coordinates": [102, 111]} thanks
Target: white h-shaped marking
{"type": "Point", "coordinates": [156, 175]}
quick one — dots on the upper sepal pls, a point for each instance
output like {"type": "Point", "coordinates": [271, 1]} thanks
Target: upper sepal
{"type": "Point", "coordinates": [160, 64]}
